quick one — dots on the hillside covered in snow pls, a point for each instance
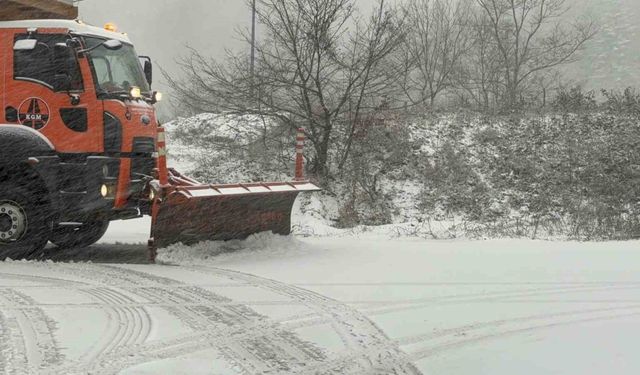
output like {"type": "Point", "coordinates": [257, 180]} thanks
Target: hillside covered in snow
{"type": "Point", "coordinates": [446, 175]}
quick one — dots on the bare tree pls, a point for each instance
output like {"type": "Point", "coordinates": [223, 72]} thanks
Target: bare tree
{"type": "Point", "coordinates": [532, 36]}
{"type": "Point", "coordinates": [480, 76]}
{"type": "Point", "coordinates": [436, 40]}
{"type": "Point", "coordinates": [317, 65]}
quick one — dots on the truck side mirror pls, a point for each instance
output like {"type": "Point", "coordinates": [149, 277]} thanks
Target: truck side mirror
{"type": "Point", "coordinates": [147, 67]}
{"type": "Point", "coordinates": [148, 71]}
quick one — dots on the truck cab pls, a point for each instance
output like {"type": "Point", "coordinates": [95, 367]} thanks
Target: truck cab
{"type": "Point", "coordinates": [77, 133]}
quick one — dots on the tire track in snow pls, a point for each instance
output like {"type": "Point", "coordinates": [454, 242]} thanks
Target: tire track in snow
{"type": "Point", "coordinates": [302, 320]}
{"type": "Point", "coordinates": [226, 339]}
{"type": "Point", "coordinates": [194, 297]}
{"type": "Point", "coordinates": [138, 319]}
{"type": "Point", "coordinates": [371, 349]}
{"type": "Point", "coordinates": [60, 283]}
{"type": "Point", "coordinates": [504, 322]}
{"type": "Point", "coordinates": [4, 344]}
{"type": "Point", "coordinates": [127, 325]}
{"type": "Point", "coordinates": [13, 355]}
{"type": "Point", "coordinates": [417, 304]}
{"type": "Point", "coordinates": [461, 339]}
{"type": "Point", "coordinates": [372, 307]}
{"type": "Point", "coordinates": [28, 341]}
{"type": "Point", "coordinates": [344, 367]}
{"type": "Point", "coordinates": [366, 305]}
{"type": "Point", "coordinates": [241, 334]}
{"type": "Point", "coordinates": [465, 335]}
{"type": "Point", "coordinates": [314, 319]}
{"type": "Point", "coordinates": [478, 338]}
{"type": "Point", "coordinates": [318, 317]}
{"type": "Point", "coordinates": [32, 334]}
{"type": "Point", "coordinates": [260, 343]}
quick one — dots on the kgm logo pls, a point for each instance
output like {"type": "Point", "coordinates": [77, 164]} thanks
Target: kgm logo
{"type": "Point", "coordinates": [34, 113]}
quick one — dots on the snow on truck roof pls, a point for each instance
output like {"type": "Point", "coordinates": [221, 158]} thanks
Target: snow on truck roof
{"type": "Point", "coordinates": [75, 26]}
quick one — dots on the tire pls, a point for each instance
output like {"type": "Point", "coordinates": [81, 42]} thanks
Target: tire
{"type": "Point", "coordinates": [24, 221]}
{"type": "Point", "coordinates": [83, 236]}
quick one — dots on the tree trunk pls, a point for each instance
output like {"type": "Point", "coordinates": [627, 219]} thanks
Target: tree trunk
{"type": "Point", "coordinates": [320, 166]}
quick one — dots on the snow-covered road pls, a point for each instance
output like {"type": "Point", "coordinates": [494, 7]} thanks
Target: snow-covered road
{"type": "Point", "coordinates": [361, 304]}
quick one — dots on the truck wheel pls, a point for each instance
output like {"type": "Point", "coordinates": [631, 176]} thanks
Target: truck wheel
{"type": "Point", "coordinates": [85, 235]}
{"type": "Point", "coordinates": [23, 224]}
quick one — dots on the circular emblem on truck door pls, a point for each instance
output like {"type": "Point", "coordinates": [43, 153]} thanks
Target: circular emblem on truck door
{"type": "Point", "coordinates": [34, 113]}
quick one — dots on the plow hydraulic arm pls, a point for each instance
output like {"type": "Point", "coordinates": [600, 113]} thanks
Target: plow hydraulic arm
{"type": "Point", "coordinates": [187, 211]}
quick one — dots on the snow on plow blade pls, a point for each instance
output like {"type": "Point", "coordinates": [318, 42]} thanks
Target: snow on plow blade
{"type": "Point", "coordinates": [191, 214]}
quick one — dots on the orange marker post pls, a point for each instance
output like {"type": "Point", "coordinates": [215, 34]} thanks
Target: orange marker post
{"type": "Point", "coordinates": [163, 173]}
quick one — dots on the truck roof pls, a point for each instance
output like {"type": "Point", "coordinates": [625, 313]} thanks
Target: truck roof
{"type": "Point", "coordinates": [75, 26]}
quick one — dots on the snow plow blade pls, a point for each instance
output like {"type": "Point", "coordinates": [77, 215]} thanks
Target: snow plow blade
{"type": "Point", "coordinates": [192, 214]}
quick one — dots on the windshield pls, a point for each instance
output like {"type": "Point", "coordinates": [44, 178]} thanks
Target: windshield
{"type": "Point", "coordinates": [116, 71]}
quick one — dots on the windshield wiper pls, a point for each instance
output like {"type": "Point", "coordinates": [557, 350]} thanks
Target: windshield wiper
{"type": "Point", "coordinates": [122, 95]}
{"type": "Point", "coordinates": [113, 94]}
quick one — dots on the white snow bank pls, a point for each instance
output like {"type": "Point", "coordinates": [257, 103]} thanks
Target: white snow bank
{"type": "Point", "coordinates": [263, 245]}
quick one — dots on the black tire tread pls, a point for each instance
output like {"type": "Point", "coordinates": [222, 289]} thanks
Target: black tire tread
{"type": "Point", "coordinates": [86, 235]}
{"type": "Point", "coordinates": [36, 207]}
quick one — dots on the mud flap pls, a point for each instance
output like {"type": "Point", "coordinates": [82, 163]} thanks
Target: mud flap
{"type": "Point", "coordinates": [194, 214]}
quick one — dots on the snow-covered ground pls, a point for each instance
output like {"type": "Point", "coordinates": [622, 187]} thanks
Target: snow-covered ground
{"type": "Point", "coordinates": [365, 304]}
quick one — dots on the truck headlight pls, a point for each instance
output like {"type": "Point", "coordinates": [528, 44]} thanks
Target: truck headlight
{"type": "Point", "coordinates": [157, 96]}
{"type": "Point", "coordinates": [135, 92]}
{"type": "Point", "coordinates": [107, 191]}
{"type": "Point", "coordinates": [104, 191]}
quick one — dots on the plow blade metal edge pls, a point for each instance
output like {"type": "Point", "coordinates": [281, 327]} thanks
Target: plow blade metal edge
{"type": "Point", "coordinates": [192, 214]}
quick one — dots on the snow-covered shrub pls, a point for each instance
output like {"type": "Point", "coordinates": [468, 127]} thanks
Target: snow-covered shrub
{"type": "Point", "coordinates": [229, 148]}
{"type": "Point", "coordinates": [378, 158]}
{"type": "Point", "coordinates": [452, 184]}
{"type": "Point", "coordinates": [626, 101]}
{"type": "Point", "coordinates": [573, 174]}
{"type": "Point", "coordinates": [574, 99]}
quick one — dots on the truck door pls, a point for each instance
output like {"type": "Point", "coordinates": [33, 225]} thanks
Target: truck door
{"type": "Point", "coordinates": [69, 117]}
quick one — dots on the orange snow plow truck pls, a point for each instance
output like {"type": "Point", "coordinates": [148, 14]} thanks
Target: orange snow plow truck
{"type": "Point", "coordinates": [80, 146]}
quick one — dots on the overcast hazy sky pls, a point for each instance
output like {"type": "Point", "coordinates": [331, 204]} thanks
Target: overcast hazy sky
{"type": "Point", "coordinates": [162, 29]}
